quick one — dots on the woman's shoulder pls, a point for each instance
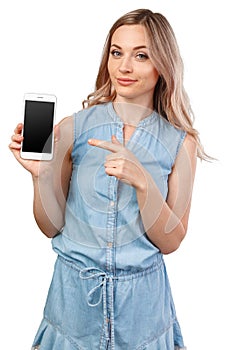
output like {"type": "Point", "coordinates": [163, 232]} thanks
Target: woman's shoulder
{"type": "Point", "coordinates": [90, 111]}
{"type": "Point", "coordinates": [168, 133]}
{"type": "Point", "coordinates": [168, 128]}
{"type": "Point", "coordinates": [169, 136]}
{"type": "Point", "coordinates": [90, 118]}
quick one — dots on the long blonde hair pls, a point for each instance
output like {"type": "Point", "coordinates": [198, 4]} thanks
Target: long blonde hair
{"type": "Point", "coordinates": [170, 98]}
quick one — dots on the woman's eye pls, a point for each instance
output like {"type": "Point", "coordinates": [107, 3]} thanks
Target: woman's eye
{"type": "Point", "coordinates": [141, 56]}
{"type": "Point", "coordinates": [115, 53]}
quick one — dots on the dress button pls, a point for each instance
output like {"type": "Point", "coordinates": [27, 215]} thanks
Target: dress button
{"type": "Point", "coordinates": [111, 203]}
{"type": "Point", "coordinates": [109, 244]}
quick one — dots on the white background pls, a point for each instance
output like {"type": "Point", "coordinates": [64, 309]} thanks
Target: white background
{"type": "Point", "coordinates": [55, 47]}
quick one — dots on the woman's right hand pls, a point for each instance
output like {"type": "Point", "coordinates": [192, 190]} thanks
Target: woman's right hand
{"type": "Point", "coordinates": [51, 178]}
{"type": "Point", "coordinates": [32, 166]}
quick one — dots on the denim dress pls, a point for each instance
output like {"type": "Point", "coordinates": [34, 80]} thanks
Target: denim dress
{"type": "Point", "coordinates": [110, 288]}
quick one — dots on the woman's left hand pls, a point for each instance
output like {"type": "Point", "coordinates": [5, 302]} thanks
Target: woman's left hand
{"type": "Point", "coordinates": [121, 162]}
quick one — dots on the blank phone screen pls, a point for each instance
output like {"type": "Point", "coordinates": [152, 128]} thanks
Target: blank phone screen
{"type": "Point", "coordinates": [38, 125]}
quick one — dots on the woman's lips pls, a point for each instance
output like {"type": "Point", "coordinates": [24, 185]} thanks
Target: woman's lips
{"type": "Point", "coordinates": [125, 81]}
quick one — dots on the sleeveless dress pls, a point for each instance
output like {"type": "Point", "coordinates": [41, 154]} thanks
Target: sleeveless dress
{"type": "Point", "coordinates": [110, 289]}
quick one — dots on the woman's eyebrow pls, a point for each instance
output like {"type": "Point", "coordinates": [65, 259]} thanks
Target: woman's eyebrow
{"type": "Point", "coordinates": [134, 48]}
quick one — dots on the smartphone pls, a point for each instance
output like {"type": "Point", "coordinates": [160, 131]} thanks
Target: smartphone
{"type": "Point", "coordinates": [38, 135]}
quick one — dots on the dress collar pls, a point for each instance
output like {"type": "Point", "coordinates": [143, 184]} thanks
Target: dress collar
{"type": "Point", "coordinates": [144, 122]}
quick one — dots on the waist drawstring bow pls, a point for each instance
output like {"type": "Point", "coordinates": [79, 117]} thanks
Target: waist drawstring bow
{"type": "Point", "coordinates": [90, 273]}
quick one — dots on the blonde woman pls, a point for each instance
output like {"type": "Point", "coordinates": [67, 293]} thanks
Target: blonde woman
{"type": "Point", "coordinates": [117, 196]}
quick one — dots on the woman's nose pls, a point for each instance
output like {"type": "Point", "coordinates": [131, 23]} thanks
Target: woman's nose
{"type": "Point", "coordinates": [126, 65]}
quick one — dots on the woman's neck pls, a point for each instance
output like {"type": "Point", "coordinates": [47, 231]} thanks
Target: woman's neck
{"type": "Point", "coordinates": [131, 113]}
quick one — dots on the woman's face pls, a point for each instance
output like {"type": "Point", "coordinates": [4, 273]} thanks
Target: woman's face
{"type": "Point", "coordinates": [131, 71]}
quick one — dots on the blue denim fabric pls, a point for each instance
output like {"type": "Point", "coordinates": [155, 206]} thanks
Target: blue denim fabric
{"type": "Point", "coordinates": [110, 288]}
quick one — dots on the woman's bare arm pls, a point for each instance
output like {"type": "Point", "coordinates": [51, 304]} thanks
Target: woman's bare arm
{"type": "Point", "coordinates": [50, 178]}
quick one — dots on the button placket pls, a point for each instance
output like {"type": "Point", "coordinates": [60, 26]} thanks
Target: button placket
{"type": "Point", "coordinates": [111, 221]}
{"type": "Point", "coordinates": [110, 242]}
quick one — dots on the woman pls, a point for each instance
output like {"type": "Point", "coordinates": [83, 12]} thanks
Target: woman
{"type": "Point", "coordinates": [117, 195]}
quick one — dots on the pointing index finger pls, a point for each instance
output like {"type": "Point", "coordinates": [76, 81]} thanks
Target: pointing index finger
{"type": "Point", "coordinates": [110, 146]}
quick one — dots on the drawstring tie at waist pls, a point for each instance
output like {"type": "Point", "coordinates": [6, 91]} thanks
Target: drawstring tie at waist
{"type": "Point", "coordinates": [93, 272]}
{"type": "Point", "coordinates": [108, 313]}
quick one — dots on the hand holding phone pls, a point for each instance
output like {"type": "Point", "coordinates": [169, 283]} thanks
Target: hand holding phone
{"type": "Point", "coordinates": [38, 133]}
{"type": "Point", "coordinates": [35, 167]}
